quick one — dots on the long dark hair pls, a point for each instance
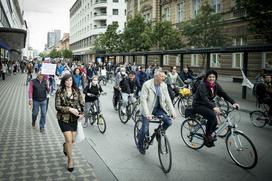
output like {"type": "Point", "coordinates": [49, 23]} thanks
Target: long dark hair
{"type": "Point", "coordinates": [64, 78]}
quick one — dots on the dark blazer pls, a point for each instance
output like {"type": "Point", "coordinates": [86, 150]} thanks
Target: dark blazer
{"type": "Point", "coordinates": [204, 97]}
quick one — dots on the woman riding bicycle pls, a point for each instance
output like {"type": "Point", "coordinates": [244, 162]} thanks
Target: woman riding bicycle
{"type": "Point", "coordinates": [204, 105]}
{"type": "Point", "coordinates": [92, 92]}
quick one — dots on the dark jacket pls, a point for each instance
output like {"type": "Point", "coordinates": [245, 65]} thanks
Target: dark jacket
{"type": "Point", "coordinates": [184, 76]}
{"type": "Point", "coordinates": [63, 103]}
{"type": "Point", "coordinates": [95, 90]}
{"type": "Point", "coordinates": [127, 86]}
{"type": "Point", "coordinates": [204, 97]}
{"type": "Point", "coordinates": [39, 90]}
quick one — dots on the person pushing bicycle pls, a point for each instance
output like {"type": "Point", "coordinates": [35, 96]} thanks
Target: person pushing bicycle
{"type": "Point", "coordinates": [154, 100]}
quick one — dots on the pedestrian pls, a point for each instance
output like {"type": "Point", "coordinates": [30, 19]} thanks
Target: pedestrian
{"type": "Point", "coordinates": [38, 89]}
{"type": "Point", "coordinates": [4, 70]}
{"type": "Point", "coordinates": [69, 105]}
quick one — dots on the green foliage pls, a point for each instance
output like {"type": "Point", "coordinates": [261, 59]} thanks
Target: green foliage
{"type": "Point", "coordinates": [66, 53]}
{"type": "Point", "coordinates": [54, 54]}
{"type": "Point", "coordinates": [164, 36]}
{"type": "Point", "coordinates": [43, 54]}
{"type": "Point", "coordinates": [110, 40]}
{"type": "Point", "coordinates": [136, 34]}
{"type": "Point", "coordinates": [205, 30]}
{"type": "Point", "coordinates": [259, 15]}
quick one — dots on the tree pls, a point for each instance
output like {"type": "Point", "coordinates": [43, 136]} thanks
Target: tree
{"type": "Point", "coordinates": [66, 53]}
{"type": "Point", "coordinates": [54, 53]}
{"type": "Point", "coordinates": [205, 30]}
{"type": "Point", "coordinates": [164, 36]}
{"type": "Point", "coordinates": [136, 34]}
{"type": "Point", "coordinates": [110, 40]}
{"type": "Point", "coordinates": [259, 15]}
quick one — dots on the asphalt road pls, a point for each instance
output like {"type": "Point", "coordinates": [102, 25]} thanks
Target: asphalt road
{"type": "Point", "coordinates": [115, 156]}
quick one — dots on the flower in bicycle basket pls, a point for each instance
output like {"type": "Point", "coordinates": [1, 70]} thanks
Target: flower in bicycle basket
{"type": "Point", "coordinates": [185, 92]}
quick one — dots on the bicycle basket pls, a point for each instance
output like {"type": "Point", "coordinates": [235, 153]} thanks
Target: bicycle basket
{"type": "Point", "coordinates": [185, 92]}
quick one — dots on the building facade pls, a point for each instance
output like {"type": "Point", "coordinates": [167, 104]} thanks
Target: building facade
{"type": "Point", "coordinates": [89, 18]}
{"type": "Point", "coordinates": [235, 28]}
{"type": "Point", "coordinates": [11, 16]}
{"type": "Point", "coordinates": [53, 38]}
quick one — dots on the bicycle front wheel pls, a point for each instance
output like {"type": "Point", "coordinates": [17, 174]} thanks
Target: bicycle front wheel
{"type": "Point", "coordinates": [192, 134]}
{"type": "Point", "coordinates": [241, 150]}
{"type": "Point", "coordinates": [165, 154]}
{"type": "Point", "coordinates": [101, 123]}
{"type": "Point", "coordinates": [137, 128]}
{"type": "Point", "coordinates": [123, 115]}
{"type": "Point", "coordinates": [258, 118]}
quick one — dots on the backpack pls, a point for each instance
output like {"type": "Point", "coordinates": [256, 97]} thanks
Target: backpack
{"type": "Point", "coordinates": [196, 84]}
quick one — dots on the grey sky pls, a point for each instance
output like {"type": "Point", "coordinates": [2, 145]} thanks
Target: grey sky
{"type": "Point", "coordinates": [46, 15]}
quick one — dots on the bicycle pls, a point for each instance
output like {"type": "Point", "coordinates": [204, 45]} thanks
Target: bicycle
{"type": "Point", "coordinates": [261, 118]}
{"type": "Point", "coordinates": [103, 79]}
{"type": "Point", "coordinates": [164, 149]}
{"type": "Point", "coordinates": [193, 135]}
{"type": "Point", "coordinates": [130, 110]}
{"type": "Point", "coordinates": [96, 117]}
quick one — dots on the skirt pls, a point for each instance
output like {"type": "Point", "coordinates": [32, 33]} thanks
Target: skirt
{"type": "Point", "coordinates": [71, 126]}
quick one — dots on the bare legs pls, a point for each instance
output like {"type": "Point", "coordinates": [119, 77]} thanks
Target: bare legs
{"type": "Point", "coordinates": [70, 137]}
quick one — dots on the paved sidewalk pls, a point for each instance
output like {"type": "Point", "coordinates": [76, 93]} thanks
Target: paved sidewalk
{"type": "Point", "coordinates": [25, 153]}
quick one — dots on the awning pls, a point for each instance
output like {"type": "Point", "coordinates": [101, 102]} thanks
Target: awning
{"type": "Point", "coordinates": [11, 38]}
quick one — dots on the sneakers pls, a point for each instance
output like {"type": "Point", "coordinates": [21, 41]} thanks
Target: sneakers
{"type": "Point", "coordinates": [209, 141]}
{"type": "Point", "coordinates": [42, 130]}
{"type": "Point", "coordinates": [141, 150]}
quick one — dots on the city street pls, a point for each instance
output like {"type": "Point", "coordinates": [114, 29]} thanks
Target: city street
{"type": "Point", "coordinates": [113, 155]}
{"type": "Point", "coordinates": [118, 151]}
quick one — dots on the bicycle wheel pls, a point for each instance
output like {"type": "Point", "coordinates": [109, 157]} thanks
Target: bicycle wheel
{"type": "Point", "coordinates": [192, 134]}
{"type": "Point", "coordinates": [241, 150]}
{"type": "Point", "coordinates": [222, 104]}
{"type": "Point", "coordinates": [137, 116]}
{"type": "Point", "coordinates": [137, 128]}
{"type": "Point", "coordinates": [258, 118]}
{"type": "Point", "coordinates": [101, 123]}
{"type": "Point", "coordinates": [123, 115]}
{"type": "Point", "coordinates": [165, 154]}
{"type": "Point", "coordinates": [182, 105]}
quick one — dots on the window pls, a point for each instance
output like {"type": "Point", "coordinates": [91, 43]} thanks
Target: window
{"type": "Point", "coordinates": [166, 14]}
{"type": "Point", "coordinates": [143, 60]}
{"type": "Point", "coordinates": [178, 60]}
{"type": "Point", "coordinates": [115, 1]}
{"type": "Point", "coordinates": [166, 60]}
{"type": "Point", "coordinates": [215, 60]}
{"type": "Point", "coordinates": [125, 12]}
{"type": "Point", "coordinates": [147, 17]}
{"type": "Point", "coordinates": [216, 5]}
{"type": "Point", "coordinates": [115, 11]}
{"type": "Point", "coordinates": [195, 7]}
{"type": "Point", "coordinates": [237, 58]}
{"type": "Point", "coordinates": [180, 11]}
{"type": "Point", "coordinates": [194, 60]}
{"type": "Point", "coordinates": [267, 60]}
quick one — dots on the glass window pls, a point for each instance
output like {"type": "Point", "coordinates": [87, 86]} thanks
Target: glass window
{"type": "Point", "coordinates": [115, 11]}
{"type": "Point", "coordinates": [194, 60]}
{"type": "Point", "coordinates": [166, 60]}
{"type": "Point", "coordinates": [237, 58]}
{"type": "Point", "coordinates": [166, 14]}
{"type": "Point", "coordinates": [195, 7]}
{"type": "Point", "coordinates": [216, 5]}
{"type": "Point", "coordinates": [215, 60]}
{"type": "Point", "coordinates": [115, 1]}
{"type": "Point", "coordinates": [180, 11]}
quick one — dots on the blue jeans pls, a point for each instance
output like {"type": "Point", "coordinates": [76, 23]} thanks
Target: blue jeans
{"type": "Point", "coordinates": [35, 111]}
{"type": "Point", "coordinates": [145, 124]}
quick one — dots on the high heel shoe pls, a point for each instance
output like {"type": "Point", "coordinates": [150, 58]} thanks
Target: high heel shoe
{"type": "Point", "coordinates": [64, 152]}
{"type": "Point", "coordinates": [70, 169]}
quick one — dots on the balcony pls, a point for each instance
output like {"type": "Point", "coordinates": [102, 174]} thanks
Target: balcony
{"type": "Point", "coordinates": [100, 1]}
{"type": "Point", "coordinates": [238, 12]}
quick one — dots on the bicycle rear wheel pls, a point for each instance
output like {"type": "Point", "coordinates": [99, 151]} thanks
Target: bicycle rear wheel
{"type": "Point", "coordinates": [137, 128]}
{"type": "Point", "coordinates": [258, 118]}
{"type": "Point", "coordinates": [192, 134]}
{"type": "Point", "coordinates": [164, 152]}
{"type": "Point", "coordinates": [241, 150]}
{"type": "Point", "coordinates": [101, 123]}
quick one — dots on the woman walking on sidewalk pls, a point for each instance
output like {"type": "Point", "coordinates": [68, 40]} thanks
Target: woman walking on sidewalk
{"type": "Point", "coordinates": [69, 105]}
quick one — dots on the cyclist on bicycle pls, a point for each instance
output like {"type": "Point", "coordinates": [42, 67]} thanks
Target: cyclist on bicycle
{"type": "Point", "coordinates": [174, 81]}
{"type": "Point", "coordinates": [204, 105]}
{"type": "Point", "coordinates": [117, 94]}
{"type": "Point", "coordinates": [264, 92]}
{"type": "Point", "coordinates": [128, 87]}
{"type": "Point", "coordinates": [92, 92]}
{"type": "Point", "coordinates": [155, 100]}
